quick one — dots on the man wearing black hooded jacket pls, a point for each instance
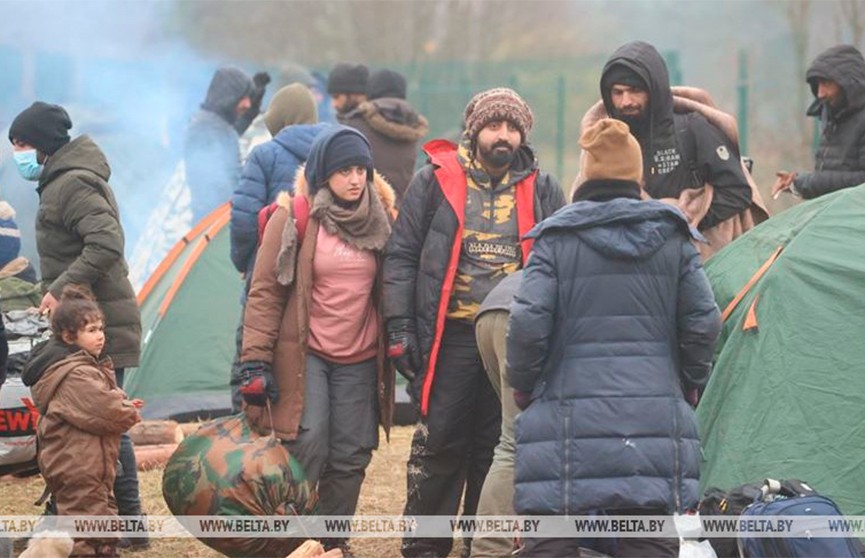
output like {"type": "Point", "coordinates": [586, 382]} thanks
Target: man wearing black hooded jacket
{"type": "Point", "coordinates": [211, 151]}
{"type": "Point", "coordinates": [837, 80]}
{"type": "Point", "coordinates": [680, 151]}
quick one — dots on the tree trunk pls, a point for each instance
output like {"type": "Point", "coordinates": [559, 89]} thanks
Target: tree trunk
{"type": "Point", "coordinates": [154, 456]}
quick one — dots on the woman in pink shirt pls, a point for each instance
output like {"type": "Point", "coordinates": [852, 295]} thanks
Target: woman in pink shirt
{"type": "Point", "coordinates": [313, 339]}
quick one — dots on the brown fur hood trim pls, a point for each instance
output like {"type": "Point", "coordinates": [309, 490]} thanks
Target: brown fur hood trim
{"type": "Point", "coordinates": [394, 118]}
{"type": "Point", "coordinates": [685, 100]}
{"type": "Point", "coordinates": [382, 187]}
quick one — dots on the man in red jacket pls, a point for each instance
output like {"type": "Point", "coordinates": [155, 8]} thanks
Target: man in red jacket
{"type": "Point", "coordinates": [459, 232]}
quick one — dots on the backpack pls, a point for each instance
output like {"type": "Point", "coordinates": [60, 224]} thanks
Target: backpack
{"type": "Point", "coordinates": [299, 210]}
{"type": "Point", "coordinates": [794, 498]}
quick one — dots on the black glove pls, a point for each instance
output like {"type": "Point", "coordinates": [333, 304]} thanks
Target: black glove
{"type": "Point", "coordinates": [261, 79]}
{"type": "Point", "coordinates": [257, 384]}
{"type": "Point", "coordinates": [403, 348]}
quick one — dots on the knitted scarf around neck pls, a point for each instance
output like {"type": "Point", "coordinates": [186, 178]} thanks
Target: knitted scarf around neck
{"type": "Point", "coordinates": [363, 226]}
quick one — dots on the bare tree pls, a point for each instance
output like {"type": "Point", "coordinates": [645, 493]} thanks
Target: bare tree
{"type": "Point", "coordinates": [798, 18]}
{"type": "Point", "coordinates": [850, 22]}
{"type": "Point", "coordinates": [315, 32]}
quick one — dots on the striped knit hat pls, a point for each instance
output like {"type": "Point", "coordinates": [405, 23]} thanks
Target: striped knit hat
{"type": "Point", "coordinates": [500, 103]}
{"type": "Point", "coordinates": [10, 236]}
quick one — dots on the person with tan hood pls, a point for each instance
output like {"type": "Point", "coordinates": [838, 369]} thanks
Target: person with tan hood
{"type": "Point", "coordinates": [313, 358]}
{"type": "Point", "coordinates": [612, 328]}
{"type": "Point", "coordinates": [82, 414]}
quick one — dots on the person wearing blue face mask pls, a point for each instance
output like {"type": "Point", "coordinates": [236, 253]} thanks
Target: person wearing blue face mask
{"type": "Point", "coordinates": [80, 241]}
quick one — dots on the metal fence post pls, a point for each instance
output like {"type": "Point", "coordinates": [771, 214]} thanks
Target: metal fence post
{"type": "Point", "coordinates": [560, 130]}
{"type": "Point", "coordinates": [742, 89]}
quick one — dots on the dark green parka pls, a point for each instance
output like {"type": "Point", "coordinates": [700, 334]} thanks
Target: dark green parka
{"type": "Point", "coordinates": [80, 240]}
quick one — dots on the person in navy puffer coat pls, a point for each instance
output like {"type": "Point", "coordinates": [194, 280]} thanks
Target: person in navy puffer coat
{"type": "Point", "coordinates": [613, 324]}
{"type": "Point", "coordinates": [291, 118]}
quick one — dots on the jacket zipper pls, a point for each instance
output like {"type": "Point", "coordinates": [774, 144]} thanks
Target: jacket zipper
{"type": "Point", "coordinates": [824, 151]}
{"type": "Point", "coordinates": [567, 440]}
{"type": "Point", "coordinates": [677, 481]}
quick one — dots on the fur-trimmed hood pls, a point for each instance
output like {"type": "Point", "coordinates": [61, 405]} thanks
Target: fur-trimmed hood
{"type": "Point", "coordinates": [685, 99]}
{"type": "Point", "coordinates": [394, 118]}
{"type": "Point", "coordinates": [301, 188]}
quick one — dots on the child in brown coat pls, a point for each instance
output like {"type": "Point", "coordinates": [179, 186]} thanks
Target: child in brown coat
{"type": "Point", "coordinates": [82, 414]}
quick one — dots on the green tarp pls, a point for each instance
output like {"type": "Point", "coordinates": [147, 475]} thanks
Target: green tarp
{"type": "Point", "coordinates": [787, 396]}
{"type": "Point", "coordinates": [190, 310]}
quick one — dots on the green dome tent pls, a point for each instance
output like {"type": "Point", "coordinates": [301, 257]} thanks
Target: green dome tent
{"type": "Point", "coordinates": [190, 309]}
{"type": "Point", "coordinates": [787, 395]}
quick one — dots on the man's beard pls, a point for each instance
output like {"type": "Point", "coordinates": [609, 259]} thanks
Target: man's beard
{"type": "Point", "coordinates": [348, 107]}
{"type": "Point", "coordinates": [497, 158]}
{"type": "Point", "coordinates": [635, 122]}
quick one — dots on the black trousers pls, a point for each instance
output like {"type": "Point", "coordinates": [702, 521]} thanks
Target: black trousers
{"type": "Point", "coordinates": [452, 448]}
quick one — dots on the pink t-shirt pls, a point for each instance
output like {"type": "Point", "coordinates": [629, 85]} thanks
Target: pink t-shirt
{"type": "Point", "coordinates": [343, 322]}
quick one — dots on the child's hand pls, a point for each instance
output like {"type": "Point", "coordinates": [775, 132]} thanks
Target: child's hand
{"type": "Point", "coordinates": [137, 403]}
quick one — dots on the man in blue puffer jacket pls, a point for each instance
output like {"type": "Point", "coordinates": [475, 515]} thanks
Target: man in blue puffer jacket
{"type": "Point", "coordinates": [613, 324]}
{"type": "Point", "coordinates": [291, 119]}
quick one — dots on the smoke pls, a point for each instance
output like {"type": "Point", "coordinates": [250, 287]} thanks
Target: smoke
{"type": "Point", "coordinates": [124, 81]}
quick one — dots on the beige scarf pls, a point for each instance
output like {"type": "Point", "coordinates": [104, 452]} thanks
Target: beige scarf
{"type": "Point", "coordinates": [365, 226]}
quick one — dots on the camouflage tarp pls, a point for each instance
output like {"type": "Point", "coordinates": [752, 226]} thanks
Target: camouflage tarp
{"type": "Point", "coordinates": [225, 468]}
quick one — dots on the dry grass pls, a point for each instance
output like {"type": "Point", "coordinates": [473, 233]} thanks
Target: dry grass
{"type": "Point", "coordinates": [383, 494]}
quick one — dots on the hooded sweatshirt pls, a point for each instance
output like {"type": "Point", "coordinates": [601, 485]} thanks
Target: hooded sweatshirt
{"type": "Point", "coordinates": [212, 151]}
{"type": "Point", "coordinates": [840, 159]}
{"type": "Point", "coordinates": [679, 150]}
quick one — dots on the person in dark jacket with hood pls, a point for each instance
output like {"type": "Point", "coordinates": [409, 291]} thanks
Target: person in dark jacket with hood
{"type": "Point", "coordinates": [271, 168]}
{"type": "Point", "coordinates": [458, 234]}
{"type": "Point", "coordinates": [392, 126]}
{"type": "Point", "coordinates": [80, 240]}
{"type": "Point", "coordinates": [614, 322]}
{"type": "Point", "coordinates": [681, 152]}
{"type": "Point", "coordinates": [837, 80]}
{"type": "Point", "coordinates": [211, 151]}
